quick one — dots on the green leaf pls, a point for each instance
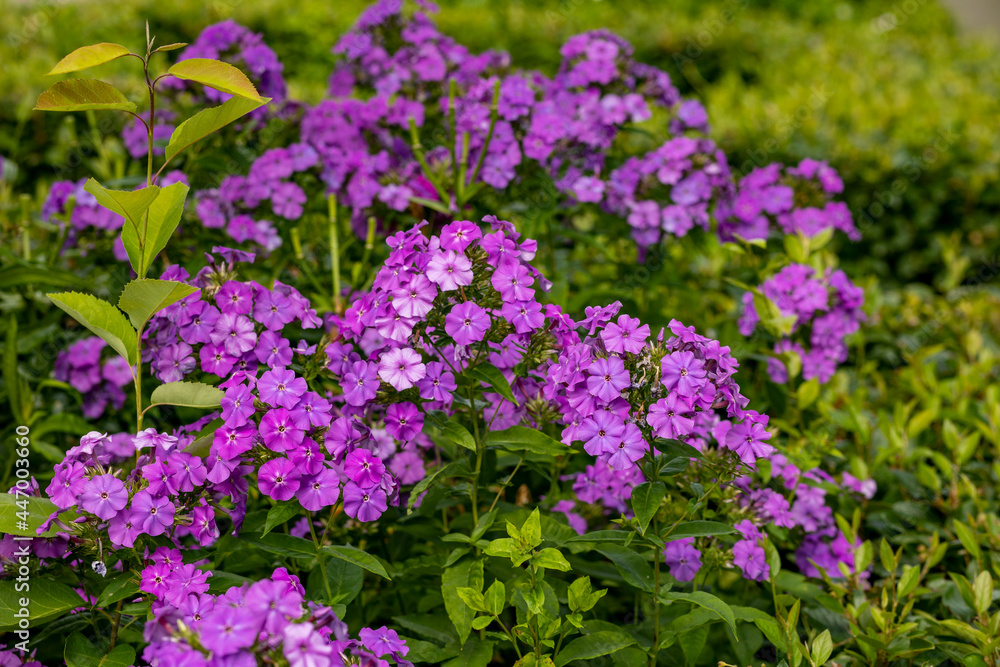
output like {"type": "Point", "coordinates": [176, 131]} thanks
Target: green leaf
{"type": "Point", "coordinates": [64, 422]}
{"type": "Point", "coordinates": [522, 438]}
{"type": "Point", "coordinates": [187, 394]}
{"type": "Point", "coordinates": [89, 56]}
{"type": "Point", "coordinates": [144, 297]}
{"type": "Point", "coordinates": [475, 653]}
{"type": "Point", "coordinates": [634, 568]}
{"type": "Point", "coordinates": [80, 652]}
{"type": "Point", "coordinates": [708, 601]}
{"type": "Point", "coordinates": [968, 539]}
{"type": "Point", "coordinates": [131, 205]}
{"type": "Point", "coordinates": [164, 216]}
{"type": "Point", "coordinates": [471, 597]}
{"type": "Point", "coordinates": [594, 645]}
{"type": "Point", "coordinates": [215, 74]}
{"type": "Point", "coordinates": [46, 600]}
{"type": "Point", "coordinates": [982, 590]}
{"type": "Point", "coordinates": [821, 648]}
{"type": "Point", "coordinates": [122, 656]}
{"type": "Point", "coordinates": [494, 377]}
{"type": "Point", "coordinates": [170, 47]}
{"type": "Point", "coordinates": [646, 499]}
{"type": "Point", "coordinates": [443, 472]}
{"type": "Point", "coordinates": [676, 448]}
{"type": "Point", "coordinates": [101, 318]}
{"type": "Point", "coordinates": [455, 432]}
{"type": "Point", "coordinates": [699, 529]}
{"type": "Point", "coordinates": [205, 122]}
{"type": "Point", "coordinates": [83, 95]}
{"type": "Point", "coordinates": [357, 557]}
{"type": "Point", "coordinates": [613, 536]}
{"type": "Point", "coordinates": [551, 559]}
{"type": "Point", "coordinates": [19, 276]}
{"type": "Point", "coordinates": [531, 529]}
{"type": "Point", "coordinates": [280, 513]}
{"type": "Point", "coordinates": [119, 587]}
{"type": "Point", "coordinates": [281, 544]}
{"type": "Point", "coordinates": [468, 573]}
{"type": "Point", "coordinates": [38, 510]}
{"type": "Point", "coordinates": [345, 580]}
{"type": "Point", "coordinates": [496, 598]}
{"type": "Point", "coordinates": [11, 378]}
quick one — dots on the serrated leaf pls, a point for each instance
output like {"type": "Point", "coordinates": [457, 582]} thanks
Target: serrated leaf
{"type": "Point", "coordinates": [357, 557]}
{"type": "Point", "coordinates": [144, 297]}
{"type": "Point", "coordinates": [83, 95]}
{"type": "Point", "coordinates": [646, 500]}
{"type": "Point", "coordinates": [187, 394]}
{"type": "Point", "coordinates": [215, 74]}
{"type": "Point", "coordinates": [47, 600]}
{"type": "Point", "coordinates": [101, 318]}
{"type": "Point", "coordinates": [594, 645]}
{"type": "Point", "coordinates": [89, 56]}
{"type": "Point", "coordinates": [494, 377]}
{"type": "Point", "coordinates": [205, 122]}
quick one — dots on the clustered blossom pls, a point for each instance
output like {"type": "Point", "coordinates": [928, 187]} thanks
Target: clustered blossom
{"type": "Point", "coordinates": [797, 500]}
{"type": "Point", "coordinates": [826, 308]}
{"type": "Point", "coordinates": [243, 205]}
{"type": "Point", "coordinates": [776, 199]}
{"type": "Point", "coordinates": [100, 383]}
{"type": "Point", "coordinates": [269, 620]}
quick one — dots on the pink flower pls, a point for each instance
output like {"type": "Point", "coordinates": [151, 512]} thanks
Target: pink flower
{"type": "Point", "coordinates": [401, 367]}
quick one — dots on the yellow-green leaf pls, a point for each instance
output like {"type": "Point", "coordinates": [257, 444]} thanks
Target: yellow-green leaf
{"type": "Point", "coordinates": [206, 122]}
{"type": "Point", "coordinates": [103, 319]}
{"type": "Point", "coordinates": [89, 56]}
{"type": "Point", "coordinates": [83, 95]}
{"type": "Point", "coordinates": [215, 74]}
{"type": "Point", "coordinates": [144, 297]}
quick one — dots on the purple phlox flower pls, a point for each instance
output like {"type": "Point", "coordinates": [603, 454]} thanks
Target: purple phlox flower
{"type": "Point", "coordinates": [364, 504]}
{"type": "Point", "coordinates": [280, 387]}
{"type": "Point", "coordinates": [364, 468]}
{"type": "Point", "coordinates": [104, 496]}
{"type": "Point", "coordinates": [683, 559]}
{"type": "Point", "coordinates": [152, 514]}
{"type": "Point", "coordinates": [279, 479]}
{"type": "Point", "coordinates": [467, 323]}
{"type": "Point", "coordinates": [401, 367]}
{"type": "Point", "coordinates": [607, 378]}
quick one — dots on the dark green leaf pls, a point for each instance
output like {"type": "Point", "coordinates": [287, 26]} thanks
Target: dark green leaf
{"type": "Point", "coordinates": [358, 557]}
{"type": "Point", "coordinates": [698, 529]}
{"type": "Point", "coordinates": [280, 513]}
{"type": "Point", "coordinates": [646, 499]}
{"type": "Point", "coordinates": [494, 377]}
{"type": "Point", "coordinates": [46, 600]}
{"type": "Point", "coordinates": [521, 438]}
{"type": "Point", "coordinates": [468, 573]}
{"type": "Point", "coordinates": [634, 568]}
{"type": "Point", "coordinates": [594, 645]}
{"type": "Point", "coordinates": [706, 600]}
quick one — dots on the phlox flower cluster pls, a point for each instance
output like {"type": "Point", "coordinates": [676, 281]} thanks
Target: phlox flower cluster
{"type": "Point", "coordinates": [826, 309]}
{"type": "Point", "coordinates": [619, 389]}
{"type": "Point", "coordinates": [165, 493]}
{"type": "Point", "coordinates": [243, 205]}
{"type": "Point", "coordinates": [100, 383]}
{"type": "Point", "coordinates": [264, 622]}
{"type": "Point", "coordinates": [786, 200]}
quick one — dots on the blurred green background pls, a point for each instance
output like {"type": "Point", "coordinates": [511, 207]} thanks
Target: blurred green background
{"type": "Point", "coordinates": [890, 92]}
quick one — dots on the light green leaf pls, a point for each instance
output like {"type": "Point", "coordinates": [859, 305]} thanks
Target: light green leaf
{"type": "Point", "coordinates": [473, 598]}
{"type": "Point", "coordinates": [496, 598]}
{"type": "Point", "coordinates": [522, 438]}
{"type": "Point", "coordinates": [131, 205]}
{"type": "Point", "coordinates": [33, 513]}
{"type": "Point", "coordinates": [358, 557]}
{"type": "Point", "coordinates": [187, 394]}
{"type": "Point", "coordinates": [468, 573]}
{"type": "Point", "coordinates": [494, 377]}
{"type": "Point", "coordinates": [551, 559]}
{"type": "Point", "coordinates": [101, 318]}
{"type": "Point", "coordinates": [205, 122]}
{"type": "Point", "coordinates": [821, 648]}
{"type": "Point", "coordinates": [706, 600]}
{"type": "Point", "coordinates": [215, 74]}
{"type": "Point", "coordinates": [170, 47]}
{"type": "Point", "coordinates": [144, 297]}
{"type": "Point", "coordinates": [280, 513]}
{"type": "Point", "coordinates": [83, 95]}
{"type": "Point", "coordinates": [89, 56]}
{"type": "Point", "coordinates": [646, 499]}
{"type": "Point", "coordinates": [46, 600]}
{"type": "Point", "coordinates": [699, 529]}
{"type": "Point", "coordinates": [594, 645]}
{"type": "Point", "coordinates": [164, 216]}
